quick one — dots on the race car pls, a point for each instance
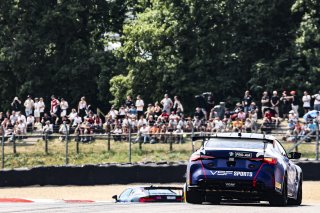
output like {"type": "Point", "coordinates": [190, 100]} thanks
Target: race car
{"type": "Point", "coordinates": [244, 167]}
{"type": "Point", "coordinates": [150, 194]}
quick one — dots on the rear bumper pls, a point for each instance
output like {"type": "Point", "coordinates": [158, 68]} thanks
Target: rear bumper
{"type": "Point", "coordinates": [242, 190]}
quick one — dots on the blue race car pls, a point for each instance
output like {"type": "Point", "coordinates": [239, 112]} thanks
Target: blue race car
{"type": "Point", "coordinates": [243, 166]}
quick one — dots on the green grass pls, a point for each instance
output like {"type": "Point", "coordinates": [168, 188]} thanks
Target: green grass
{"type": "Point", "coordinates": [97, 153]}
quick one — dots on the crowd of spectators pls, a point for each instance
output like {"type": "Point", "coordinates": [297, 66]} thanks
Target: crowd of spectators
{"type": "Point", "coordinates": [153, 122]}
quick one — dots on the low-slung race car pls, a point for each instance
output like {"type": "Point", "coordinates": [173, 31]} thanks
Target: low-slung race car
{"type": "Point", "coordinates": [150, 194]}
{"type": "Point", "coordinates": [243, 166]}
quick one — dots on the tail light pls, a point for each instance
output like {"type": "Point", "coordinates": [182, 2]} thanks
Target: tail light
{"type": "Point", "coordinates": [146, 199]}
{"type": "Point", "coordinates": [270, 161]}
{"type": "Point", "coordinates": [179, 199]}
{"type": "Point", "coordinates": [200, 157]}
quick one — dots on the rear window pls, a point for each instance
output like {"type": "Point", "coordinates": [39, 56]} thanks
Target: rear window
{"type": "Point", "coordinates": [219, 143]}
{"type": "Point", "coordinates": [160, 192]}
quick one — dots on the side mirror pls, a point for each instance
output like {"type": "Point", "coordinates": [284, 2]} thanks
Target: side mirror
{"type": "Point", "coordinates": [115, 197]}
{"type": "Point", "coordinates": [294, 155]}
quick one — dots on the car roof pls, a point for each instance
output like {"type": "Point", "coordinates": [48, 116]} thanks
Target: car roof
{"type": "Point", "coordinates": [243, 136]}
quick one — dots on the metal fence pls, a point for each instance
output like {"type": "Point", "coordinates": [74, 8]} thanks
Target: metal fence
{"type": "Point", "coordinates": [130, 138]}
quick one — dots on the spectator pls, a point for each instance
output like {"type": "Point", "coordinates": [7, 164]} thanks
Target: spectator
{"type": "Point", "coordinates": [72, 115]}
{"type": "Point", "coordinates": [157, 109]}
{"type": "Point", "coordinates": [139, 106]}
{"type": "Point", "coordinates": [132, 112]}
{"type": "Point", "coordinates": [30, 123]}
{"type": "Point", "coordinates": [82, 106]}
{"type": "Point", "coordinates": [275, 101]}
{"type": "Point", "coordinates": [63, 129]}
{"type": "Point", "coordinates": [246, 101]}
{"type": "Point", "coordinates": [177, 104]}
{"type": "Point", "coordinates": [306, 98]}
{"type": "Point", "coordinates": [16, 104]}
{"type": "Point", "coordinates": [21, 117]}
{"type": "Point", "coordinates": [42, 106]}
{"type": "Point", "coordinates": [150, 111]}
{"type": "Point", "coordinates": [54, 105]}
{"type": "Point", "coordinates": [128, 102]}
{"type": "Point", "coordinates": [29, 105]}
{"type": "Point", "coordinates": [77, 120]}
{"type": "Point", "coordinates": [144, 134]}
{"type": "Point", "coordinates": [198, 114]}
{"type": "Point", "coordinates": [248, 125]}
{"type": "Point", "coordinates": [316, 104]}
{"type": "Point", "coordinates": [265, 102]}
{"type": "Point", "coordinates": [113, 113]}
{"type": "Point", "coordinates": [166, 103]}
{"type": "Point", "coordinates": [117, 133]}
{"type": "Point", "coordinates": [63, 107]}
{"type": "Point", "coordinates": [295, 103]}
{"type": "Point", "coordinates": [237, 125]}
{"type": "Point", "coordinates": [20, 128]}
{"type": "Point", "coordinates": [36, 111]}
{"type": "Point", "coordinates": [285, 104]}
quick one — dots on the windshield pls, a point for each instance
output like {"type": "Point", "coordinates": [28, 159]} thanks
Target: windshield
{"type": "Point", "coordinates": [219, 143]}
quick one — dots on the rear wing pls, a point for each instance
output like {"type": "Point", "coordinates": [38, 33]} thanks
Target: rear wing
{"type": "Point", "coordinates": [163, 187]}
{"type": "Point", "coordinates": [207, 137]}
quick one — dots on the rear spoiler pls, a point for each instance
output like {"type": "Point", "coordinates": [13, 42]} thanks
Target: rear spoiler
{"type": "Point", "coordinates": [163, 187]}
{"type": "Point", "coordinates": [203, 138]}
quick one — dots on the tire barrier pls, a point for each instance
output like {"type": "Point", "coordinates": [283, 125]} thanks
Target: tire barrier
{"type": "Point", "coordinates": [114, 174]}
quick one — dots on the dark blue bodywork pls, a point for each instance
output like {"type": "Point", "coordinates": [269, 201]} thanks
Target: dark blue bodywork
{"type": "Point", "coordinates": [245, 167]}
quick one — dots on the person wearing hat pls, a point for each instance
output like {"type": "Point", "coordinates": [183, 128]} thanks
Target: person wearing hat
{"type": "Point", "coordinates": [29, 105]}
{"type": "Point", "coordinates": [316, 104]}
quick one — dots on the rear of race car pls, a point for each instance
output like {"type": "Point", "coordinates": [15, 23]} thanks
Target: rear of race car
{"type": "Point", "coordinates": [230, 174]}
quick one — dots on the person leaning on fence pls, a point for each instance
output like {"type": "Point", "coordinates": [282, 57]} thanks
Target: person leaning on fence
{"type": "Point", "coordinates": [143, 134]}
{"type": "Point", "coordinates": [47, 129]}
{"type": "Point", "coordinates": [117, 133]}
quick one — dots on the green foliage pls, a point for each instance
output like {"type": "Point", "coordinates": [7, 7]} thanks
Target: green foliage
{"type": "Point", "coordinates": [180, 47]}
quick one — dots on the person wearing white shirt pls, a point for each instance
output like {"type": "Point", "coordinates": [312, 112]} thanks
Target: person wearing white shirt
{"type": "Point", "coordinates": [139, 106]}
{"type": "Point", "coordinates": [144, 133]}
{"type": "Point", "coordinates": [63, 106]}
{"type": "Point", "coordinates": [166, 103]}
{"type": "Point", "coordinates": [28, 104]}
{"type": "Point", "coordinates": [30, 122]}
{"type": "Point", "coordinates": [21, 117]}
{"type": "Point", "coordinates": [77, 120]}
{"type": "Point", "coordinates": [36, 111]}
{"type": "Point", "coordinates": [316, 101]}
{"type": "Point", "coordinates": [117, 131]}
{"type": "Point", "coordinates": [306, 98]}
{"type": "Point", "coordinates": [42, 106]}
{"type": "Point", "coordinates": [72, 115]}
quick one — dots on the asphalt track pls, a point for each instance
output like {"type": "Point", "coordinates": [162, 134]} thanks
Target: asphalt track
{"type": "Point", "coordinates": [153, 208]}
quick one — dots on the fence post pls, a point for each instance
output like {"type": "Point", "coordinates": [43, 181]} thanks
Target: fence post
{"type": "Point", "coordinates": [192, 135]}
{"type": "Point", "coordinates": [317, 140]}
{"type": "Point", "coordinates": [14, 143]}
{"type": "Point", "coordinates": [171, 141]}
{"type": "Point", "coordinates": [67, 143]}
{"type": "Point", "coordinates": [77, 146]}
{"type": "Point", "coordinates": [46, 142]}
{"type": "Point", "coordinates": [129, 143]}
{"type": "Point", "coordinates": [109, 138]}
{"type": "Point", "coordinates": [2, 147]}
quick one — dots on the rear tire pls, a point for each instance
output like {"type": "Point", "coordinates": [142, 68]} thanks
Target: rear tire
{"type": "Point", "coordinates": [280, 199]}
{"type": "Point", "coordinates": [193, 196]}
{"type": "Point", "coordinates": [298, 201]}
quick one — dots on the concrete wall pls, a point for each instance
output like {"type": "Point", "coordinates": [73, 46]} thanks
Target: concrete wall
{"type": "Point", "coordinates": [114, 174]}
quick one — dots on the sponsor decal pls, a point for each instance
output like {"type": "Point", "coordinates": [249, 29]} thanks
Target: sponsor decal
{"type": "Point", "coordinates": [278, 185]}
{"type": "Point", "coordinates": [232, 173]}
{"type": "Point", "coordinates": [231, 154]}
{"type": "Point", "coordinates": [230, 184]}
{"type": "Point", "coordinates": [243, 154]}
